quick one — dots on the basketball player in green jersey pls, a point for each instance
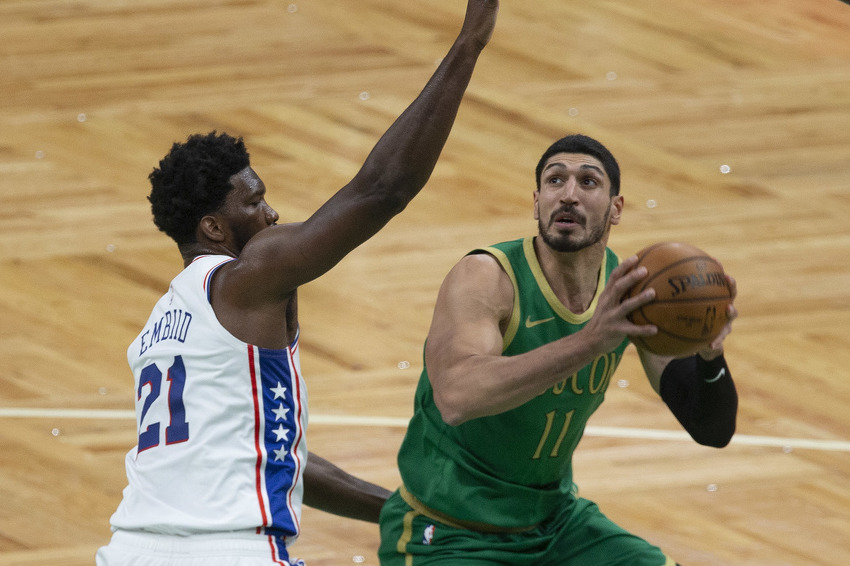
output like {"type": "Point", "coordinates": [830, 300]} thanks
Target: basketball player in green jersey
{"type": "Point", "coordinates": [525, 338]}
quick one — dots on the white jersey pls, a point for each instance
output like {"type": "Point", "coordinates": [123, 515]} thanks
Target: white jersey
{"type": "Point", "coordinates": [221, 424]}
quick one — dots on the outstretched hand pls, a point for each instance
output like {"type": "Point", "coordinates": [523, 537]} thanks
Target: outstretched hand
{"type": "Point", "coordinates": [480, 20]}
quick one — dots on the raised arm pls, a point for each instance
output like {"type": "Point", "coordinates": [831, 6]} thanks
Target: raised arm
{"type": "Point", "coordinates": [284, 257]}
{"type": "Point", "coordinates": [469, 375]}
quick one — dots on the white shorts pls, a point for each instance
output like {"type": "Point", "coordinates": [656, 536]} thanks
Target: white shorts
{"type": "Point", "coordinates": [217, 549]}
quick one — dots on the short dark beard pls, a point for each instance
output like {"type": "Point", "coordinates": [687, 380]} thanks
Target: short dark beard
{"type": "Point", "coordinates": [565, 244]}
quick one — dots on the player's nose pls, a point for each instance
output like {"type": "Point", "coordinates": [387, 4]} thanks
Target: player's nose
{"type": "Point", "coordinates": [271, 215]}
{"type": "Point", "coordinates": [569, 190]}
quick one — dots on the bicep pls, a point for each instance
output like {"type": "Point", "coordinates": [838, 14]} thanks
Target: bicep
{"type": "Point", "coordinates": [473, 306]}
{"type": "Point", "coordinates": [281, 258]}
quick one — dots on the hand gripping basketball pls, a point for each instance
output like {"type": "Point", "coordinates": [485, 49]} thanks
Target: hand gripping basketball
{"type": "Point", "coordinates": [692, 296]}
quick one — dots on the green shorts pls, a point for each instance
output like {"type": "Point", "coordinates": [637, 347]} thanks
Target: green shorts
{"type": "Point", "coordinates": [579, 535]}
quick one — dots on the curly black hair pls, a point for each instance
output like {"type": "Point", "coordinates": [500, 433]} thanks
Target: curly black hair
{"type": "Point", "coordinates": [193, 180]}
{"type": "Point", "coordinates": [578, 143]}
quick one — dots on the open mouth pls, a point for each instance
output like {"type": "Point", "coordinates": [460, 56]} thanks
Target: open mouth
{"type": "Point", "coordinates": [567, 219]}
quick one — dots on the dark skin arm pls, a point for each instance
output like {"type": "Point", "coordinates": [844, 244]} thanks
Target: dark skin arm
{"type": "Point", "coordinates": [251, 295]}
{"type": "Point", "coordinates": [254, 296]}
{"type": "Point", "coordinates": [330, 489]}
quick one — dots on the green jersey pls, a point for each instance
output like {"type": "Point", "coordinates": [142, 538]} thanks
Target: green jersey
{"type": "Point", "coordinates": [510, 470]}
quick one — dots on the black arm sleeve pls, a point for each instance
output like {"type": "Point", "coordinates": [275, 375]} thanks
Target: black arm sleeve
{"type": "Point", "coordinates": [702, 396]}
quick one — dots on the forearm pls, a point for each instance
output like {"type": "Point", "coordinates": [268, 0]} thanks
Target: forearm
{"type": "Point", "coordinates": [485, 385]}
{"type": "Point", "coordinates": [702, 396]}
{"type": "Point", "coordinates": [396, 170]}
{"type": "Point", "coordinates": [331, 489]}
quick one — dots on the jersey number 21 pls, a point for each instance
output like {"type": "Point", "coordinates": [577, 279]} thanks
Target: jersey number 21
{"type": "Point", "coordinates": [177, 429]}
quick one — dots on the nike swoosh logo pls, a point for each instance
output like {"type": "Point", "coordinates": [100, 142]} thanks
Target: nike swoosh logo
{"type": "Point", "coordinates": [532, 323]}
{"type": "Point", "coordinates": [720, 374]}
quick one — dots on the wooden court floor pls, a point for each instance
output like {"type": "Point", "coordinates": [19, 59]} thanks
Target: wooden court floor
{"type": "Point", "coordinates": [731, 122]}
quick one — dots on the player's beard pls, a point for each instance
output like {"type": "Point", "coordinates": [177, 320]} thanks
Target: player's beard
{"type": "Point", "coordinates": [566, 243]}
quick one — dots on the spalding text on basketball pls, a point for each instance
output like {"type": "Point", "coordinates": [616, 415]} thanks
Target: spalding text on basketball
{"type": "Point", "coordinates": [681, 283]}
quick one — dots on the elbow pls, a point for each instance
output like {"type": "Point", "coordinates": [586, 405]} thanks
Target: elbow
{"type": "Point", "coordinates": [719, 435]}
{"type": "Point", "coordinates": [392, 201]}
{"type": "Point", "coordinates": [715, 441]}
{"type": "Point", "coordinates": [721, 427]}
{"type": "Point", "coordinates": [390, 191]}
{"type": "Point", "coordinates": [383, 201]}
{"type": "Point", "coordinates": [451, 410]}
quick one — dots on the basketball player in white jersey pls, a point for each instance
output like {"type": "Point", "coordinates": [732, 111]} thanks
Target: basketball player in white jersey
{"type": "Point", "coordinates": [221, 468]}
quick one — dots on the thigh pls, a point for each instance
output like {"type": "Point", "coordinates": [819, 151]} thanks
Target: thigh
{"type": "Point", "coordinates": [584, 535]}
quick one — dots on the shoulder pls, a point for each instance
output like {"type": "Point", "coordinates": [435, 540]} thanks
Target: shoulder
{"type": "Point", "coordinates": [478, 280]}
{"type": "Point", "coordinates": [505, 249]}
{"type": "Point", "coordinates": [505, 254]}
{"type": "Point", "coordinates": [479, 266]}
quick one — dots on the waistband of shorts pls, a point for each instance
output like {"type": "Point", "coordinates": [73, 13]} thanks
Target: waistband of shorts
{"type": "Point", "coordinates": [450, 521]}
{"type": "Point", "coordinates": [224, 542]}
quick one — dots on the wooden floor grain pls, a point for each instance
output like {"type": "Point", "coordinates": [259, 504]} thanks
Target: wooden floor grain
{"type": "Point", "coordinates": [731, 122]}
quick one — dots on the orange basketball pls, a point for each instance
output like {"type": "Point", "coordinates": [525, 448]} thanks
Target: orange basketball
{"type": "Point", "coordinates": [691, 297]}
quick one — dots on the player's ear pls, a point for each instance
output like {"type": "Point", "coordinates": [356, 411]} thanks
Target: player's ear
{"type": "Point", "coordinates": [617, 203]}
{"type": "Point", "coordinates": [536, 204]}
{"type": "Point", "coordinates": [211, 228]}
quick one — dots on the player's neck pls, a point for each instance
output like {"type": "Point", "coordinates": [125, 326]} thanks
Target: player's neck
{"type": "Point", "coordinates": [573, 276]}
{"type": "Point", "coordinates": [195, 249]}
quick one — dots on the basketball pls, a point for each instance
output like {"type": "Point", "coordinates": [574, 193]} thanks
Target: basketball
{"type": "Point", "coordinates": [691, 298]}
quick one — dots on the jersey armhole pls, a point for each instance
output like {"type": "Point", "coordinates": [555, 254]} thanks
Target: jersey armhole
{"type": "Point", "coordinates": [513, 323]}
{"type": "Point", "coordinates": [207, 284]}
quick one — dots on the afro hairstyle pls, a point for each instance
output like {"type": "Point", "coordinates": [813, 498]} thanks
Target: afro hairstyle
{"type": "Point", "coordinates": [193, 180]}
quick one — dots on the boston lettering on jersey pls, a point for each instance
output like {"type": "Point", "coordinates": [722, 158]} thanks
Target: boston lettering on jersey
{"type": "Point", "coordinates": [174, 325]}
{"type": "Point", "coordinates": [598, 377]}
